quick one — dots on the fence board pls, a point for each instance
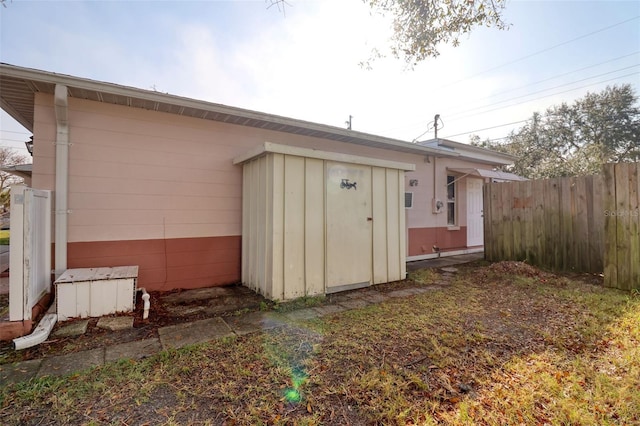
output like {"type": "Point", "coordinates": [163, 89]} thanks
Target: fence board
{"type": "Point", "coordinates": [527, 216]}
{"type": "Point", "coordinates": [622, 223]}
{"type": "Point", "coordinates": [634, 209]}
{"type": "Point", "coordinates": [552, 215]}
{"type": "Point", "coordinates": [595, 222]}
{"type": "Point", "coordinates": [567, 208]}
{"type": "Point", "coordinates": [581, 231]}
{"type": "Point", "coordinates": [507, 234]}
{"type": "Point", "coordinates": [609, 198]}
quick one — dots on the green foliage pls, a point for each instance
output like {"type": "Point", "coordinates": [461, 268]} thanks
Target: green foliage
{"type": "Point", "coordinates": [300, 303]}
{"type": "Point", "coordinates": [4, 237]}
{"type": "Point", "coordinates": [421, 26]}
{"type": "Point", "coordinates": [576, 139]}
{"type": "Point", "coordinates": [9, 157]}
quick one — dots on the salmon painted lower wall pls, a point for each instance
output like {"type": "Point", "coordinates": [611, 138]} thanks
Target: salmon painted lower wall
{"type": "Point", "coordinates": [166, 264]}
{"type": "Point", "coordinates": [186, 263]}
{"type": "Point", "coordinates": [422, 240]}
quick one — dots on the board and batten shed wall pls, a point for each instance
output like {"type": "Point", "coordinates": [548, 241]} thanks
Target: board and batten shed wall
{"type": "Point", "coordinates": [285, 227]}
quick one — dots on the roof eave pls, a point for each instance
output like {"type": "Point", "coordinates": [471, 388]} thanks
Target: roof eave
{"type": "Point", "coordinates": [247, 117]}
{"type": "Point", "coordinates": [490, 156]}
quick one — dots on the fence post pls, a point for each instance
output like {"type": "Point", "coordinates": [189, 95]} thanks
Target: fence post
{"type": "Point", "coordinates": [634, 210]}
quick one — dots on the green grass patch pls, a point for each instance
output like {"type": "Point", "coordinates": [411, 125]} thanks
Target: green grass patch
{"type": "Point", "coordinates": [423, 276]}
{"type": "Point", "coordinates": [299, 303]}
{"type": "Point", "coordinates": [4, 237]}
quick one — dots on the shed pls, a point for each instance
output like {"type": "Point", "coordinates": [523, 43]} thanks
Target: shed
{"type": "Point", "coordinates": [317, 222]}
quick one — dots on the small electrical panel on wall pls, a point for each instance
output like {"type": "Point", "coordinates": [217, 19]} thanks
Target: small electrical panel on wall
{"type": "Point", "coordinates": [437, 205]}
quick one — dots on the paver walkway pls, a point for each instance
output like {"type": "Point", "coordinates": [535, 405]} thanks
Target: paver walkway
{"type": "Point", "coordinates": [176, 336]}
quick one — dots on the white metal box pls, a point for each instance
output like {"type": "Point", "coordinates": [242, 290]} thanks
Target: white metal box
{"type": "Point", "coordinates": [94, 292]}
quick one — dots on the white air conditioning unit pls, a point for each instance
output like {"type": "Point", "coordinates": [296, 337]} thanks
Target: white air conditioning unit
{"type": "Point", "coordinates": [95, 292]}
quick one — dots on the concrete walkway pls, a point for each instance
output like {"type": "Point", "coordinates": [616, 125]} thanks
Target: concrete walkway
{"type": "Point", "coordinates": [176, 336]}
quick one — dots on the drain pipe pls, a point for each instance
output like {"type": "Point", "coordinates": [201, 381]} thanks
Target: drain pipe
{"type": "Point", "coordinates": [61, 106]}
{"type": "Point", "coordinates": [147, 303]}
{"type": "Point", "coordinates": [41, 332]}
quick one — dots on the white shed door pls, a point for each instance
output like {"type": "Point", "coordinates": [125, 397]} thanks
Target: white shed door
{"type": "Point", "coordinates": [475, 221]}
{"type": "Point", "coordinates": [349, 226]}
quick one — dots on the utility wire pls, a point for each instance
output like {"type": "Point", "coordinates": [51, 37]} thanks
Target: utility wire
{"type": "Point", "coordinates": [539, 52]}
{"type": "Point", "coordinates": [13, 131]}
{"type": "Point", "coordinates": [487, 128]}
{"type": "Point", "coordinates": [529, 100]}
{"type": "Point", "coordinates": [12, 140]}
{"type": "Point", "coordinates": [542, 51]}
{"type": "Point", "coordinates": [560, 75]}
{"type": "Point", "coordinates": [537, 92]}
{"type": "Point", "coordinates": [546, 96]}
{"type": "Point", "coordinates": [456, 112]}
{"type": "Point", "coordinates": [507, 124]}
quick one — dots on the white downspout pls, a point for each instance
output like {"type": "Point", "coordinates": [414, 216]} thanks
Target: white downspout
{"type": "Point", "coordinates": [61, 106]}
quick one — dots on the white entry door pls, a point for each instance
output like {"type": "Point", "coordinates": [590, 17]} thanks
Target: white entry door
{"type": "Point", "coordinates": [349, 226]}
{"type": "Point", "coordinates": [475, 220]}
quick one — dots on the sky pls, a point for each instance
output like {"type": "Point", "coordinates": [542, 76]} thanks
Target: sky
{"type": "Point", "coordinates": [305, 62]}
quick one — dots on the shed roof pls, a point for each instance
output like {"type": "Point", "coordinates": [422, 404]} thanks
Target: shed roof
{"type": "Point", "coordinates": [18, 86]}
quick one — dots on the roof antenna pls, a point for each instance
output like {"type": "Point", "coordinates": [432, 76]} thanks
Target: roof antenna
{"type": "Point", "coordinates": [435, 124]}
{"type": "Point", "coordinates": [348, 123]}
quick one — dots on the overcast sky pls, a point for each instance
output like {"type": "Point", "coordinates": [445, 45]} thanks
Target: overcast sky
{"type": "Point", "coordinates": [304, 63]}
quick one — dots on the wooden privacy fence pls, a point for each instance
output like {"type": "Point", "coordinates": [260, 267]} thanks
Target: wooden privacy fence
{"type": "Point", "coordinates": [622, 225]}
{"type": "Point", "coordinates": [582, 224]}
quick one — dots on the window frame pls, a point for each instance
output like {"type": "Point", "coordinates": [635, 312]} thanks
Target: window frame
{"type": "Point", "coordinates": [452, 204]}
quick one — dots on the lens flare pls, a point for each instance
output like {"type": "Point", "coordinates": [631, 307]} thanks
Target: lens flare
{"type": "Point", "coordinates": [292, 395]}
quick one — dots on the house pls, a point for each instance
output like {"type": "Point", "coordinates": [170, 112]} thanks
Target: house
{"type": "Point", "coordinates": [445, 216]}
{"type": "Point", "coordinates": [200, 194]}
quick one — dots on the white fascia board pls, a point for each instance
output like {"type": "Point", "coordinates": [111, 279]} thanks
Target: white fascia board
{"type": "Point", "coordinates": [445, 254]}
{"type": "Point", "coordinates": [487, 158]}
{"type": "Point", "coordinates": [471, 152]}
{"type": "Point", "coordinates": [269, 147]}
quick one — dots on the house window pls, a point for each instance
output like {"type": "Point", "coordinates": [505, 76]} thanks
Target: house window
{"type": "Point", "coordinates": [452, 217]}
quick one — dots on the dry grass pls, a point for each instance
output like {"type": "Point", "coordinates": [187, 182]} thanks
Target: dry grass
{"type": "Point", "coordinates": [501, 344]}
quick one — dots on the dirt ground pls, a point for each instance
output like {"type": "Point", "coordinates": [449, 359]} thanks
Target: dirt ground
{"type": "Point", "coordinates": [476, 345]}
{"type": "Point", "coordinates": [167, 308]}
{"type": "Point", "coordinates": [174, 307]}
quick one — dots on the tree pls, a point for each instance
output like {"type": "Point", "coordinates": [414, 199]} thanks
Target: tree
{"type": "Point", "coordinates": [9, 157]}
{"type": "Point", "coordinates": [577, 139]}
{"type": "Point", "coordinates": [421, 26]}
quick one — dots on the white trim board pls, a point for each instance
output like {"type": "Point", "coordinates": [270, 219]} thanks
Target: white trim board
{"type": "Point", "coordinates": [270, 147]}
{"type": "Point", "coordinates": [445, 254]}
